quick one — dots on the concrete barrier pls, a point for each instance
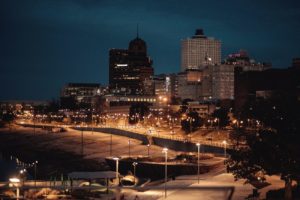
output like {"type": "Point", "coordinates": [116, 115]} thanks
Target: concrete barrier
{"type": "Point", "coordinates": [119, 132]}
{"type": "Point", "coordinates": [159, 141]}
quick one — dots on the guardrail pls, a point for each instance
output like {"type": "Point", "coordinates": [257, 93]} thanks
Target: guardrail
{"type": "Point", "coordinates": [135, 135]}
{"type": "Point", "coordinates": [162, 140]}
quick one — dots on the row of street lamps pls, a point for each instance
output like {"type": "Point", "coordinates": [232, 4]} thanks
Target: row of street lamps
{"type": "Point", "coordinates": [134, 164]}
{"type": "Point", "coordinates": [165, 152]}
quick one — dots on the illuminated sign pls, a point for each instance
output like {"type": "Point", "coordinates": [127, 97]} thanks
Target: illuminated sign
{"type": "Point", "coordinates": [122, 65]}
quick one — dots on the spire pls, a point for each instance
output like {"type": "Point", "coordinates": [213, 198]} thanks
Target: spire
{"type": "Point", "coordinates": [137, 30]}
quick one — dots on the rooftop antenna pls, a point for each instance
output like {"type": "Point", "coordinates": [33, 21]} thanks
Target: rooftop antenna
{"type": "Point", "coordinates": [137, 30]}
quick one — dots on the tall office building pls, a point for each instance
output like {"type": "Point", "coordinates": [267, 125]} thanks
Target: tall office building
{"type": "Point", "coordinates": [190, 84]}
{"type": "Point", "coordinates": [222, 82]}
{"type": "Point", "coordinates": [200, 51]}
{"type": "Point", "coordinates": [223, 75]}
{"type": "Point", "coordinates": [129, 69]}
{"type": "Point", "coordinates": [166, 85]}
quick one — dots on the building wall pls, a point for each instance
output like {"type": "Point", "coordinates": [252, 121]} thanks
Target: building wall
{"type": "Point", "coordinates": [204, 110]}
{"type": "Point", "coordinates": [129, 68]}
{"type": "Point", "coordinates": [160, 86]}
{"type": "Point", "coordinates": [80, 93]}
{"type": "Point", "coordinates": [198, 51]}
{"type": "Point", "coordinates": [207, 83]}
{"type": "Point", "coordinates": [188, 89]}
{"type": "Point", "coordinates": [118, 67]}
{"type": "Point", "coordinates": [166, 85]}
{"type": "Point", "coordinates": [223, 82]}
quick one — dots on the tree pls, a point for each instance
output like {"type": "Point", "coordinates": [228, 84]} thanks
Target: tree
{"type": "Point", "coordinates": [237, 135]}
{"type": "Point", "coordinates": [68, 103]}
{"type": "Point", "coordinates": [191, 122]}
{"type": "Point", "coordinates": [53, 106]}
{"type": "Point", "coordinates": [137, 111]}
{"type": "Point", "coordinates": [274, 148]}
{"type": "Point", "coordinates": [8, 117]}
{"type": "Point", "coordinates": [222, 117]}
{"type": "Point", "coordinates": [184, 106]}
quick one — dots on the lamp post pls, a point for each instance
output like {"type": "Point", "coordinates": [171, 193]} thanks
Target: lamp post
{"type": "Point", "coordinates": [165, 151]}
{"type": "Point", "coordinates": [129, 142]}
{"type": "Point", "coordinates": [172, 134]}
{"type": "Point", "coordinates": [33, 124]}
{"type": "Point", "coordinates": [225, 143]}
{"type": "Point", "coordinates": [117, 169]}
{"type": "Point", "coordinates": [134, 164]}
{"type": "Point", "coordinates": [92, 123]}
{"type": "Point", "coordinates": [15, 183]}
{"type": "Point", "coordinates": [110, 145]}
{"type": "Point", "coordinates": [218, 121]}
{"type": "Point", "coordinates": [190, 120]}
{"type": "Point", "coordinates": [81, 141]}
{"type": "Point", "coordinates": [148, 148]}
{"type": "Point", "coordinates": [198, 163]}
{"type": "Point", "coordinates": [23, 176]}
{"type": "Point", "coordinates": [35, 164]}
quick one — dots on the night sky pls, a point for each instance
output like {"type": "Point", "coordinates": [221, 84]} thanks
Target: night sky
{"type": "Point", "coordinates": [47, 43]}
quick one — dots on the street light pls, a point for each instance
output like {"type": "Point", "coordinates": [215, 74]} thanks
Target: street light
{"type": "Point", "coordinates": [33, 123]}
{"type": "Point", "coordinates": [92, 123]}
{"type": "Point", "coordinates": [81, 141]}
{"type": "Point", "coordinates": [14, 182]}
{"type": "Point", "coordinates": [224, 143]}
{"type": "Point", "coordinates": [172, 134]}
{"type": "Point", "coordinates": [129, 147]}
{"type": "Point", "coordinates": [165, 151]}
{"type": "Point", "coordinates": [23, 175]}
{"type": "Point", "coordinates": [117, 168]}
{"type": "Point", "coordinates": [191, 120]}
{"type": "Point", "coordinates": [35, 163]}
{"type": "Point", "coordinates": [198, 164]}
{"type": "Point", "coordinates": [218, 120]}
{"type": "Point", "coordinates": [134, 164]}
{"type": "Point", "coordinates": [148, 148]}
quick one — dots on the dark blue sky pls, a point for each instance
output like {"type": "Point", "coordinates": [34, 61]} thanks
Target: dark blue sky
{"type": "Point", "coordinates": [47, 43]}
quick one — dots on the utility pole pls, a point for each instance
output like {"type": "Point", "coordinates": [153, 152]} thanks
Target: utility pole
{"type": "Point", "coordinates": [82, 141]}
{"type": "Point", "coordinates": [110, 149]}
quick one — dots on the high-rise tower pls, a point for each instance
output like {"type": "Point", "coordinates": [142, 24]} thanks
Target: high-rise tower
{"type": "Point", "coordinates": [199, 51]}
{"type": "Point", "coordinates": [130, 68]}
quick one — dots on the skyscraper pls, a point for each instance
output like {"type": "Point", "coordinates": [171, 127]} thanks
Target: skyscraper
{"type": "Point", "coordinates": [129, 69]}
{"type": "Point", "coordinates": [199, 51]}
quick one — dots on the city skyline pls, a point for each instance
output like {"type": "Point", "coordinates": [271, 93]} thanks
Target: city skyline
{"type": "Point", "coordinates": [46, 44]}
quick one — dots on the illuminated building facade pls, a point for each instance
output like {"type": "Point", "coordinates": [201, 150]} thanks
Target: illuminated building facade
{"type": "Point", "coordinates": [199, 50]}
{"type": "Point", "coordinates": [130, 69]}
{"type": "Point", "coordinates": [166, 85]}
{"type": "Point", "coordinates": [242, 59]}
{"type": "Point", "coordinates": [190, 84]}
{"type": "Point", "coordinates": [80, 93]}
